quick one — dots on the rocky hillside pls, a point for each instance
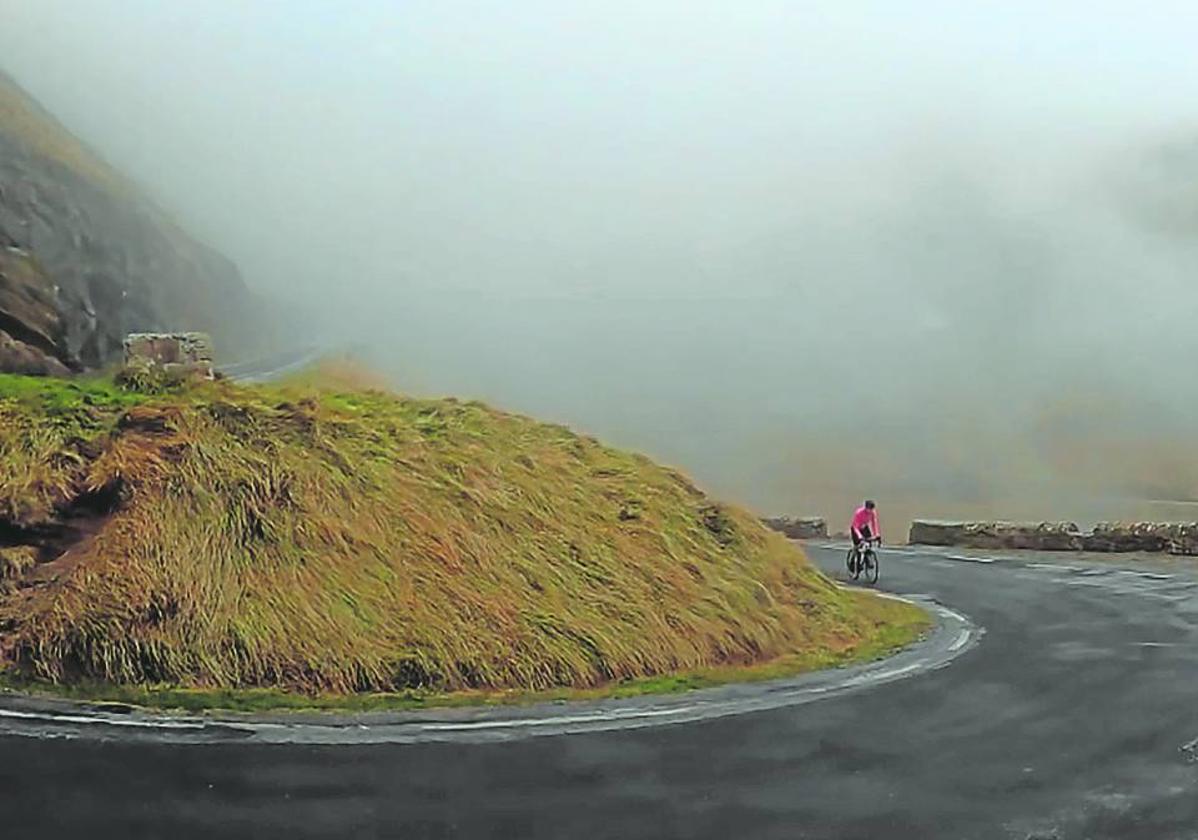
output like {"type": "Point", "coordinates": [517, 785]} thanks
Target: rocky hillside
{"type": "Point", "coordinates": [85, 258]}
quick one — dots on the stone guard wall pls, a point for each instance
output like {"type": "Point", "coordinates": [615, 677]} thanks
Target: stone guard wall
{"type": "Point", "coordinates": [1159, 537]}
{"type": "Point", "coordinates": [187, 352]}
{"type": "Point", "coordinates": [801, 528]}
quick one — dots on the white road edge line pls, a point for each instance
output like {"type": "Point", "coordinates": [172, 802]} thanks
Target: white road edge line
{"type": "Point", "coordinates": [703, 704]}
{"type": "Point", "coordinates": [92, 719]}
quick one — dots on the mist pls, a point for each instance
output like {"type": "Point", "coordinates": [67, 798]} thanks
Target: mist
{"type": "Point", "coordinates": [806, 252]}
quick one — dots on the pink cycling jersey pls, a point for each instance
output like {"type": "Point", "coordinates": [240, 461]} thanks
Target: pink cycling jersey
{"type": "Point", "coordinates": [864, 516]}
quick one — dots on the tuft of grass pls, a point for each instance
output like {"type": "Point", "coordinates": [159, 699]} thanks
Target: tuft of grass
{"type": "Point", "coordinates": [895, 626]}
{"type": "Point", "coordinates": [328, 542]}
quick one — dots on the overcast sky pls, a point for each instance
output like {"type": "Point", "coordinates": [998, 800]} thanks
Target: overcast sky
{"type": "Point", "coordinates": [671, 222]}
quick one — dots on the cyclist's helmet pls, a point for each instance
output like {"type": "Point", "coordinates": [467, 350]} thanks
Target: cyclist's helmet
{"type": "Point", "coordinates": [869, 504]}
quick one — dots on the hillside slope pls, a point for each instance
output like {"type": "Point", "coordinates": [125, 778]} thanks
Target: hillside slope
{"type": "Point", "coordinates": [320, 541]}
{"type": "Point", "coordinates": [85, 258]}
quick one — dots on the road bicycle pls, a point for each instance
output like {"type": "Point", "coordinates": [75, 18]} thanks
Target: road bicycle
{"type": "Point", "coordinates": [862, 559]}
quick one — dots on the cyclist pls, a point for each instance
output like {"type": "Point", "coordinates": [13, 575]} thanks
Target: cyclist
{"type": "Point", "coordinates": [864, 526]}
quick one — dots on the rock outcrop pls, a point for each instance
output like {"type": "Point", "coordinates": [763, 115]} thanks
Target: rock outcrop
{"type": "Point", "coordinates": [85, 258]}
{"type": "Point", "coordinates": [32, 335]}
{"type": "Point", "coordinates": [801, 528]}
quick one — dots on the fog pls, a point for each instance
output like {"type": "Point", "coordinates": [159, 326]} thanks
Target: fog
{"type": "Point", "coordinates": [807, 252]}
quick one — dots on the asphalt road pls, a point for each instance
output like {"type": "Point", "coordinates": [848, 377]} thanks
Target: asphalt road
{"type": "Point", "coordinates": [1070, 719]}
{"type": "Point", "coordinates": [273, 366]}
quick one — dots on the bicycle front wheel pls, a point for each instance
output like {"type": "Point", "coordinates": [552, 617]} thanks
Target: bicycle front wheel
{"type": "Point", "coordinates": [871, 567]}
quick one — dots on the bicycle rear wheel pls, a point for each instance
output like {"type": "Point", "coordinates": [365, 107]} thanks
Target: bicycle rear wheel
{"type": "Point", "coordinates": [871, 566]}
{"type": "Point", "coordinates": [848, 559]}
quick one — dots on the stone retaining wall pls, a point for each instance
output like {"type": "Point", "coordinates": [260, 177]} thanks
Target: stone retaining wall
{"type": "Point", "coordinates": [1170, 537]}
{"type": "Point", "coordinates": [1046, 536]}
{"type": "Point", "coordinates": [801, 528]}
{"type": "Point", "coordinates": [1159, 537]}
{"type": "Point", "coordinates": [186, 352]}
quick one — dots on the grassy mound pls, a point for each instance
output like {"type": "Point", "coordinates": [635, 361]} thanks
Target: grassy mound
{"type": "Point", "coordinates": [322, 541]}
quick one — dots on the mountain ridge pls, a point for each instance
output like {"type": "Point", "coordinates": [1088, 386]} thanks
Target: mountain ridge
{"type": "Point", "coordinates": [86, 256]}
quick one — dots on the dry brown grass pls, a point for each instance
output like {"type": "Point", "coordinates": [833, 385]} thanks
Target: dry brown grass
{"type": "Point", "coordinates": [345, 541]}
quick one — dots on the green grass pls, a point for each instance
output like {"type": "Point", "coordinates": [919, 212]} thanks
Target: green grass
{"type": "Point", "coordinates": [58, 397]}
{"type": "Point", "coordinates": [305, 542]}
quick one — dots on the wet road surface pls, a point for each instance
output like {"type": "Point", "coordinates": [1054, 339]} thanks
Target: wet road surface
{"type": "Point", "coordinates": [1074, 717]}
